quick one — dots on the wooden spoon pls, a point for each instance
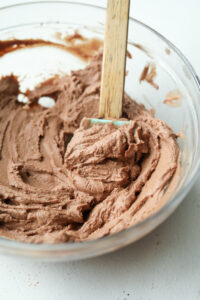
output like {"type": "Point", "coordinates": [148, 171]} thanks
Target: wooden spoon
{"type": "Point", "coordinates": [114, 59]}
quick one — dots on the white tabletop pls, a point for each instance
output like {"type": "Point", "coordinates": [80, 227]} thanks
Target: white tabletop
{"type": "Point", "coordinates": [163, 265]}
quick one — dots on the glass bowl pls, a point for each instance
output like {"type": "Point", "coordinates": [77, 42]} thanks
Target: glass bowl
{"type": "Point", "coordinates": [174, 72]}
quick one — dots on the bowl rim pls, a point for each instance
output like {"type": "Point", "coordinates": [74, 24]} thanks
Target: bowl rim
{"type": "Point", "coordinates": [9, 246]}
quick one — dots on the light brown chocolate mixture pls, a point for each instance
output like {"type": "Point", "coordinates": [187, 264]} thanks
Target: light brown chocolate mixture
{"type": "Point", "coordinates": [59, 183]}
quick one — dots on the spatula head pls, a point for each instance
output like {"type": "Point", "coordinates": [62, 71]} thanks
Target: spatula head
{"type": "Point", "coordinates": [103, 121]}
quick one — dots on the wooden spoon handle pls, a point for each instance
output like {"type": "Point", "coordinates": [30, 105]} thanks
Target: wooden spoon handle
{"type": "Point", "coordinates": [114, 59]}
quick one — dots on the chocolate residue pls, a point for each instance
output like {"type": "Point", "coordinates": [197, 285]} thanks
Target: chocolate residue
{"type": "Point", "coordinates": [79, 45]}
{"type": "Point", "coordinates": [181, 134]}
{"type": "Point", "coordinates": [152, 112]}
{"type": "Point", "coordinates": [128, 53]}
{"type": "Point", "coordinates": [74, 37]}
{"type": "Point", "coordinates": [142, 48]}
{"type": "Point", "coordinates": [148, 74]}
{"type": "Point", "coordinates": [168, 51]}
{"type": "Point", "coordinates": [84, 50]}
{"type": "Point", "coordinates": [173, 98]}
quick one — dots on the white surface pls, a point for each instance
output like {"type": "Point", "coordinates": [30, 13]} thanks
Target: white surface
{"type": "Point", "coordinates": [163, 265]}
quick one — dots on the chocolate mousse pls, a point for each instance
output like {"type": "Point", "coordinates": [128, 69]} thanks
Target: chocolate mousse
{"type": "Point", "coordinates": [62, 180]}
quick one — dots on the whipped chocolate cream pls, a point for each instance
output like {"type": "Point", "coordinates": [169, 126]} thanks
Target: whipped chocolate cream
{"type": "Point", "coordinates": [62, 180]}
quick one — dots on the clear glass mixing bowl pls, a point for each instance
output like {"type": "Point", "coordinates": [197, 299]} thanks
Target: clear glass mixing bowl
{"type": "Point", "coordinates": [174, 72]}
